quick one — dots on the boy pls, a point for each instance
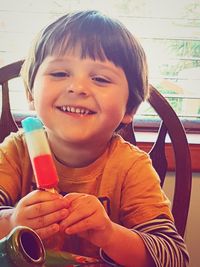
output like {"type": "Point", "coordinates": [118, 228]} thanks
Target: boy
{"type": "Point", "coordinates": [85, 76]}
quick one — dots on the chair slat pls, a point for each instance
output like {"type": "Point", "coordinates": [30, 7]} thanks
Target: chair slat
{"type": "Point", "coordinates": [157, 153]}
{"type": "Point", "coordinates": [7, 123]}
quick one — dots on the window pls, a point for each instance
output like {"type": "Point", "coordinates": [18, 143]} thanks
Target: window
{"type": "Point", "coordinates": [169, 31]}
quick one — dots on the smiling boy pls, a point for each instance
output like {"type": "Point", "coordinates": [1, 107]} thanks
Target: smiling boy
{"type": "Point", "coordinates": [85, 76]}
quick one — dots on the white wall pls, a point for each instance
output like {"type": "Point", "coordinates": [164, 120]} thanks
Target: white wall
{"type": "Point", "coordinates": [192, 234]}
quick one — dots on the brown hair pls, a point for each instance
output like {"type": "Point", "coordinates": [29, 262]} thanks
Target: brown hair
{"type": "Point", "coordinates": [100, 37]}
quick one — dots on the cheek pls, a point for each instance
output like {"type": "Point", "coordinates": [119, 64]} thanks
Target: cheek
{"type": "Point", "coordinates": [115, 103]}
{"type": "Point", "coordinates": [114, 111]}
{"type": "Point", "coordinates": [41, 93]}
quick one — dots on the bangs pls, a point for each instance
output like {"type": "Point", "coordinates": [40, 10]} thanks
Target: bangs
{"type": "Point", "coordinates": [90, 48]}
{"type": "Point", "coordinates": [97, 39]}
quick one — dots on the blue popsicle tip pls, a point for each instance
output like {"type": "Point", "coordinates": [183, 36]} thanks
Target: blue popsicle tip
{"type": "Point", "coordinates": [31, 124]}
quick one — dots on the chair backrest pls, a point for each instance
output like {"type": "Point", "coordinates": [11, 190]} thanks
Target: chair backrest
{"type": "Point", "coordinates": [7, 123]}
{"type": "Point", "coordinates": [170, 124]}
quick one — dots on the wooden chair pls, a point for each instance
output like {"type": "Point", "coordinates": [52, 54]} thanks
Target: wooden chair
{"type": "Point", "coordinates": [170, 124]}
{"type": "Point", "coordinates": [7, 123]}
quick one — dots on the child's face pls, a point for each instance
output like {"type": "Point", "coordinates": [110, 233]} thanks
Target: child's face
{"type": "Point", "coordinates": [80, 100]}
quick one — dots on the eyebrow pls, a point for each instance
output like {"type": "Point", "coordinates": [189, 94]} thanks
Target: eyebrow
{"type": "Point", "coordinates": [96, 64]}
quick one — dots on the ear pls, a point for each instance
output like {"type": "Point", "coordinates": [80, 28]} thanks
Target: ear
{"type": "Point", "coordinates": [30, 100]}
{"type": "Point", "coordinates": [128, 117]}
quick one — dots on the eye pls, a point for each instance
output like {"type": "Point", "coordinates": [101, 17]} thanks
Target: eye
{"type": "Point", "coordinates": [59, 74]}
{"type": "Point", "coordinates": [100, 79]}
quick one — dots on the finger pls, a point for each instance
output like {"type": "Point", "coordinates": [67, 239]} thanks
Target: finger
{"type": "Point", "coordinates": [37, 196]}
{"type": "Point", "coordinates": [70, 197]}
{"type": "Point", "coordinates": [75, 217]}
{"type": "Point", "coordinates": [81, 226]}
{"type": "Point", "coordinates": [48, 231]}
{"type": "Point", "coordinates": [44, 208]}
{"type": "Point", "coordinates": [82, 202]}
{"type": "Point", "coordinates": [44, 221]}
{"type": "Point", "coordinates": [82, 207]}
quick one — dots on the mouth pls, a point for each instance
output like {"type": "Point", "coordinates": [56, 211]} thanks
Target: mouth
{"type": "Point", "coordinates": [75, 110]}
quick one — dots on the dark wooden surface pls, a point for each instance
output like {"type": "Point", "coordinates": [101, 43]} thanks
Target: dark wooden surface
{"type": "Point", "coordinates": [7, 123]}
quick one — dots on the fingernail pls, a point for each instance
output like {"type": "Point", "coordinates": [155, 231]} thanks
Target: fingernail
{"type": "Point", "coordinates": [68, 230]}
{"type": "Point", "coordinates": [64, 212]}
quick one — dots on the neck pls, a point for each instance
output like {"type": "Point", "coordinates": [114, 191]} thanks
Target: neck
{"type": "Point", "coordinates": [76, 155]}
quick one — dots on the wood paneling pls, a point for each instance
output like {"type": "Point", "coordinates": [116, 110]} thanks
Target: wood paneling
{"type": "Point", "coordinates": [194, 150]}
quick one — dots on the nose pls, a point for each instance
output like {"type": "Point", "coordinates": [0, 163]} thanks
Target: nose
{"type": "Point", "coordinates": [78, 87]}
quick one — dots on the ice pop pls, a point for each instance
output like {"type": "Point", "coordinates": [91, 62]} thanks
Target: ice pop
{"type": "Point", "coordinates": [40, 154]}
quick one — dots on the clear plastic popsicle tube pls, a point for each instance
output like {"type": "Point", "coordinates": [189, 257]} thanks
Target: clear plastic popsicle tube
{"type": "Point", "coordinates": [40, 154]}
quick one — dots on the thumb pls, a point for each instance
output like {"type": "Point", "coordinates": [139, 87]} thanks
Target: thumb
{"type": "Point", "coordinates": [70, 197]}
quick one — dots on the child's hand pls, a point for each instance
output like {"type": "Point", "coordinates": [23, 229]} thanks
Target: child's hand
{"type": "Point", "coordinates": [41, 211]}
{"type": "Point", "coordinates": [87, 218]}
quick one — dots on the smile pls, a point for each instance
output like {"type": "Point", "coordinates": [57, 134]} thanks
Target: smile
{"type": "Point", "coordinates": [76, 110]}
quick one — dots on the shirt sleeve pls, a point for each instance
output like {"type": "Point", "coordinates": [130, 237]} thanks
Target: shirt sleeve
{"type": "Point", "coordinates": [13, 170]}
{"type": "Point", "coordinates": [5, 199]}
{"type": "Point", "coordinates": [163, 242]}
{"type": "Point", "coordinates": [166, 247]}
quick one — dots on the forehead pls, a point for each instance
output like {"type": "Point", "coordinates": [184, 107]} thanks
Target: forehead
{"type": "Point", "coordinates": [83, 48]}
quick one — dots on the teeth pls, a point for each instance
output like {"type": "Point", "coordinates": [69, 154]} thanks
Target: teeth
{"type": "Point", "coordinates": [75, 110]}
